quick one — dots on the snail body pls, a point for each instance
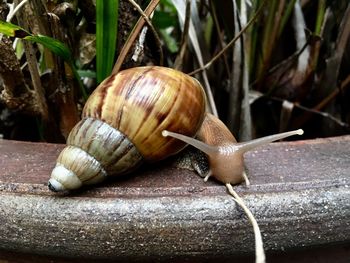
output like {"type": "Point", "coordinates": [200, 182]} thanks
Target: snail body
{"type": "Point", "coordinates": [225, 155]}
{"type": "Point", "coordinates": [122, 122]}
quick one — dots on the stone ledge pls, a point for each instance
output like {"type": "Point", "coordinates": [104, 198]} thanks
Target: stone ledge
{"type": "Point", "coordinates": [299, 195]}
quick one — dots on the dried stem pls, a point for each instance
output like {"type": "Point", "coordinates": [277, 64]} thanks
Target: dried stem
{"type": "Point", "coordinates": [184, 38]}
{"type": "Point", "coordinates": [15, 10]}
{"type": "Point", "coordinates": [38, 89]}
{"type": "Point", "coordinates": [244, 29]}
{"type": "Point", "coordinates": [149, 23]}
{"type": "Point", "coordinates": [259, 248]}
{"type": "Point", "coordinates": [132, 37]}
{"type": "Point", "coordinates": [219, 35]}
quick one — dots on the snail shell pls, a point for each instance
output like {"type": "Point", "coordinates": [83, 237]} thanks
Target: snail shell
{"type": "Point", "coordinates": [122, 123]}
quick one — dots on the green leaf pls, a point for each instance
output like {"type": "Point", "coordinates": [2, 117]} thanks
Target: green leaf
{"type": "Point", "coordinates": [12, 30]}
{"type": "Point", "coordinates": [87, 74]}
{"type": "Point", "coordinates": [57, 47]}
{"type": "Point", "coordinates": [169, 41]}
{"type": "Point", "coordinates": [106, 36]}
{"type": "Point", "coordinates": [168, 6]}
{"type": "Point", "coordinates": [163, 20]}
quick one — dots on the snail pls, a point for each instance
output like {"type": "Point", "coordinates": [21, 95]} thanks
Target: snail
{"type": "Point", "coordinates": [122, 124]}
{"type": "Point", "coordinates": [148, 114]}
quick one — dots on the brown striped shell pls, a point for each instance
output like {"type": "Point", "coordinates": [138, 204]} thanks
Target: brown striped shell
{"type": "Point", "coordinates": [122, 123]}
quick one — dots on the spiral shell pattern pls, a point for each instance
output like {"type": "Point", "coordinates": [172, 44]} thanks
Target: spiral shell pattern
{"type": "Point", "coordinates": [122, 122]}
{"type": "Point", "coordinates": [142, 103]}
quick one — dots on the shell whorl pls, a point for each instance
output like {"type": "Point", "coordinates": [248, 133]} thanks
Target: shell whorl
{"type": "Point", "coordinates": [111, 148]}
{"type": "Point", "coordinates": [94, 150]}
{"type": "Point", "coordinates": [168, 100]}
{"type": "Point", "coordinates": [122, 123]}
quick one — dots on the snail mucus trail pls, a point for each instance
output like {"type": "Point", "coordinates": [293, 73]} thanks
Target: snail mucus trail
{"type": "Point", "coordinates": [147, 114]}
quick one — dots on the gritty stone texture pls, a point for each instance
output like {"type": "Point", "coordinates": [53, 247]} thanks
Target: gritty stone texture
{"type": "Point", "coordinates": [299, 195]}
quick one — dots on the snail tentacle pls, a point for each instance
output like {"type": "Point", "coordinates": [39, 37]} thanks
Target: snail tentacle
{"type": "Point", "coordinates": [208, 149]}
{"type": "Point", "coordinates": [247, 146]}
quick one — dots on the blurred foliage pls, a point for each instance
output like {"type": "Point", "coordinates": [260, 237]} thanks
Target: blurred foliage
{"type": "Point", "coordinates": [55, 46]}
{"type": "Point", "coordinates": [289, 68]}
{"type": "Point", "coordinates": [165, 20]}
{"type": "Point", "coordinates": [284, 59]}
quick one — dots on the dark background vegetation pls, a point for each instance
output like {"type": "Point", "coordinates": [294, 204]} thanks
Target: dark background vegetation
{"type": "Point", "coordinates": [289, 70]}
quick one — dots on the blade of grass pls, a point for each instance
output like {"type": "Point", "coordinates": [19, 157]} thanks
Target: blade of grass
{"type": "Point", "coordinates": [286, 14]}
{"type": "Point", "coordinates": [321, 12]}
{"type": "Point", "coordinates": [52, 44]}
{"type": "Point", "coordinates": [270, 36]}
{"type": "Point", "coordinates": [106, 36]}
{"type": "Point", "coordinates": [321, 9]}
